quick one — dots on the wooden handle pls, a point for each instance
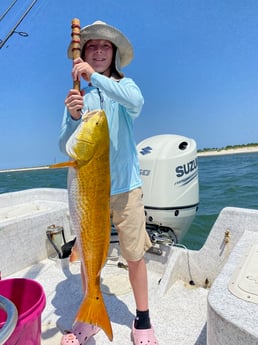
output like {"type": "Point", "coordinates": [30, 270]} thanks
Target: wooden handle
{"type": "Point", "coordinates": [76, 46]}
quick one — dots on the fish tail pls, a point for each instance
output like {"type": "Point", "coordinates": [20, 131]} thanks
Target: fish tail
{"type": "Point", "coordinates": [63, 165]}
{"type": "Point", "coordinates": [93, 311]}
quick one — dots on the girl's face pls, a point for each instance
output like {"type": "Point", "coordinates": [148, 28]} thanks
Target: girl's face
{"type": "Point", "coordinates": [99, 54]}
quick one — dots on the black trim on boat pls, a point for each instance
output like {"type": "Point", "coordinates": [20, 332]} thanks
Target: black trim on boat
{"type": "Point", "coordinates": [171, 208]}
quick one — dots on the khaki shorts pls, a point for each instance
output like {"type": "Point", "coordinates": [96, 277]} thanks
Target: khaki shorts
{"type": "Point", "coordinates": [127, 212]}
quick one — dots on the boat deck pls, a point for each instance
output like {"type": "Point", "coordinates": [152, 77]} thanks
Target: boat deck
{"type": "Point", "coordinates": [205, 312]}
{"type": "Point", "coordinates": [179, 317]}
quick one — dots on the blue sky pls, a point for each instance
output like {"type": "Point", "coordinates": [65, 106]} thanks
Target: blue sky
{"type": "Point", "coordinates": [196, 62]}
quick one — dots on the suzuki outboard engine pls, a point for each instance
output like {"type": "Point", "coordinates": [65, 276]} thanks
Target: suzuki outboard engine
{"type": "Point", "coordinates": [169, 171]}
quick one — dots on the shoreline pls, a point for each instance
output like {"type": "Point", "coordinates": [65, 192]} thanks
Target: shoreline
{"type": "Point", "coordinates": [24, 169]}
{"type": "Point", "coordinates": [220, 152]}
{"type": "Point", "coordinates": [208, 153]}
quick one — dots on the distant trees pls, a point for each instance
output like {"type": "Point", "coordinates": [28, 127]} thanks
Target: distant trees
{"type": "Point", "coordinates": [228, 147]}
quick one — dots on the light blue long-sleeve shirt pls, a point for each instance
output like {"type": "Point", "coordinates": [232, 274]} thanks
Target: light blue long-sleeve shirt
{"type": "Point", "coordinates": [122, 102]}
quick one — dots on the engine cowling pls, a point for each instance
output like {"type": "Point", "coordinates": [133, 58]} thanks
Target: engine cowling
{"type": "Point", "coordinates": [169, 171]}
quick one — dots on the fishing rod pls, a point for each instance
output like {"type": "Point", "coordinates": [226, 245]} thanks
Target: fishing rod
{"type": "Point", "coordinates": [8, 9]}
{"type": "Point", "coordinates": [24, 34]}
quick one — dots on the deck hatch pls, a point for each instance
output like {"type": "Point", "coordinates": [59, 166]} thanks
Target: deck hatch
{"type": "Point", "coordinates": [244, 281]}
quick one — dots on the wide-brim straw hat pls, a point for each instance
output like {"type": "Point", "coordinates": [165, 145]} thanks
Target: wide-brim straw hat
{"type": "Point", "coordinates": [101, 30]}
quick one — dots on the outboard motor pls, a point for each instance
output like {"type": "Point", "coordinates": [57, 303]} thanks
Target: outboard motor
{"type": "Point", "coordinates": [169, 171]}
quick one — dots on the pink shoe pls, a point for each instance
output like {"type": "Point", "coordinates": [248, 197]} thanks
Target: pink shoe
{"type": "Point", "coordinates": [144, 336]}
{"type": "Point", "coordinates": [80, 334]}
{"type": "Point", "coordinates": [69, 339]}
{"type": "Point", "coordinates": [84, 331]}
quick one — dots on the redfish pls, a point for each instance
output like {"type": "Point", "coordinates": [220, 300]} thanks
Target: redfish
{"type": "Point", "coordinates": [89, 195]}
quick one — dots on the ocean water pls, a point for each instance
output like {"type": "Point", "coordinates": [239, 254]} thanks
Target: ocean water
{"type": "Point", "coordinates": [228, 180]}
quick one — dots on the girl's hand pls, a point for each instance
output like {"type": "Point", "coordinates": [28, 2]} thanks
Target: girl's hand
{"type": "Point", "coordinates": [74, 103]}
{"type": "Point", "coordinates": [81, 69]}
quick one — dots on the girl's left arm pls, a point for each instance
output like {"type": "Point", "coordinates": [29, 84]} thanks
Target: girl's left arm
{"type": "Point", "coordinates": [124, 91]}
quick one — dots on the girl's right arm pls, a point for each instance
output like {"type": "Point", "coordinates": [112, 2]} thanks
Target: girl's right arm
{"type": "Point", "coordinates": [72, 113]}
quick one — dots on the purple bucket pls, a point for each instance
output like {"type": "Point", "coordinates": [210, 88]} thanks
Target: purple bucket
{"type": "Point", "coordinates": [30, 300]}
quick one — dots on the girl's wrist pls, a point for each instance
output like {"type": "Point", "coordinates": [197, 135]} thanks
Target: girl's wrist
{"type": "Point", "coordinates": [77, 116]}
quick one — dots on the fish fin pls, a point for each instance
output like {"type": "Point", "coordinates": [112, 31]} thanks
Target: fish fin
{"type": "Point", "coordinates": [93, 311]}
{"type": "Point", "coordinates": [63, 165]}
{"type": "Point", "coordinates": [75, 256]}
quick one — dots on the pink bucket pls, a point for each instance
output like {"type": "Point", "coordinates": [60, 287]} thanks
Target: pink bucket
{"type": "Point", "coordinates": [30, 300]}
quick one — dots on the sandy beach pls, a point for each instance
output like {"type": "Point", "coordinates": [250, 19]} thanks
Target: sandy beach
{"type": "Point", "coordinates": [247, 149]}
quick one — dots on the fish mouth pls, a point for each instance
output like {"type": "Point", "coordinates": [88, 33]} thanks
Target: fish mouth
{"type": "Point", "coordinates": [85, 141]}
